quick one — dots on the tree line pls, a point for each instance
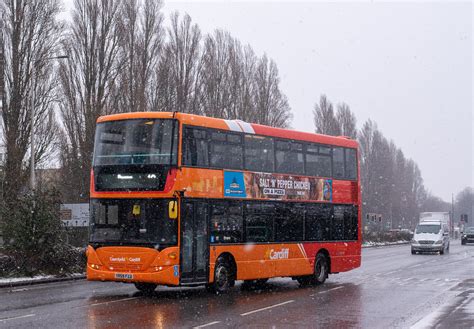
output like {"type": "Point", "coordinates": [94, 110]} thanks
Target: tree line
{"type": "Point", "coordinates": [392, 184]}
{"type": "Point", "coordinates": [121, 57]}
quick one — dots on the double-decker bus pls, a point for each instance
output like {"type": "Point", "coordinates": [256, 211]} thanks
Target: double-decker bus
{"type": "Point", "coordinates": [180, 200]}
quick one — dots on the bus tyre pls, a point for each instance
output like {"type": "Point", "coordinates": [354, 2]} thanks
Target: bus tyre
{"type": "Point", "coordinates": [146, 288]}
{"type": "Point", "coordinates": [223, 277]}
{"type": "Point", "coordinates": [321, 269]}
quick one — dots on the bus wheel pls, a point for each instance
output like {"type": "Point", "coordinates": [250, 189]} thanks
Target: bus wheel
{"type": "Point", "coordinates": [146, 288]}
{"type": "Point", "coordinates": [223, 278]}
{"type": "Point", "coordinates": [321, 269]}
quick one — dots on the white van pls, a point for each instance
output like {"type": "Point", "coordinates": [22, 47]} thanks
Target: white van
{"type": "Point", "coordinates": [430, 236]}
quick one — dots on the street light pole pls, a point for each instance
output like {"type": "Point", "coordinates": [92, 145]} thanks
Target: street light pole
{"type": "Point", "coordinates": [32, 141]}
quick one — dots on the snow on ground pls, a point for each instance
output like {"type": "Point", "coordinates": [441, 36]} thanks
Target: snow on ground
{"type": "Point", "coordinates": [6, 281]}
{"type": "Point", "coordinates": [375, 244]}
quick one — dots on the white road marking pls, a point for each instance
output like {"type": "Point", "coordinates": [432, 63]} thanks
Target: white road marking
{"type": "Point", "coordinates": [388, 273]}
{"type": "Point", "coordinates": [322, 292]}
{"type": "Point", "coordinates": [267, 308]}
{"type": "Point", "coordinates": [17, 317]}
{"type": "Point", "coordinates": [207, 324]}
{"type": "Point", "coordinates": [110, 302]}
{"type": "Point", "coordinates": [18, 290]}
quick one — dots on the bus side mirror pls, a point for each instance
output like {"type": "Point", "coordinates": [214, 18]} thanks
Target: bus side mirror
{"type": "Point", "coordinates": [173, 209]}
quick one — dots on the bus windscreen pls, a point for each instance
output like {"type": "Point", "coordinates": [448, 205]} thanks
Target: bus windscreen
{"type": "Point", "coordinates": [136, 142]}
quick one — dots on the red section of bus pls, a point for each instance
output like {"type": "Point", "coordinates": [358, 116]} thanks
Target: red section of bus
{"type": "Point", "coordinates": [345, 192]}
{"type": "Point", "coordinates": [343, 256]}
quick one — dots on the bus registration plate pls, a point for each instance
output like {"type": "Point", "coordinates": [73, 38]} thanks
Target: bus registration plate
{"type": "Point", "coordinates": [126, 276]}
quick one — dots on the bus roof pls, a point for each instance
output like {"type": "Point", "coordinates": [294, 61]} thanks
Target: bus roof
{"type": "Point", "coordinates": [235, 125]}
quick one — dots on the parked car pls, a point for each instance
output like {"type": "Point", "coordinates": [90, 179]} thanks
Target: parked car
{"type": "Point", "coordinates": [468, 235]}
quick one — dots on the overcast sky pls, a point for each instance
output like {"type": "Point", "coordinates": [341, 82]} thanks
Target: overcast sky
{"type": "Point", "coordinates": [407, 66]}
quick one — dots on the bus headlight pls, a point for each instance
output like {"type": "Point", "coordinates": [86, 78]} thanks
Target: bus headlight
{"type": "Point", "coordinates": [94, 266]}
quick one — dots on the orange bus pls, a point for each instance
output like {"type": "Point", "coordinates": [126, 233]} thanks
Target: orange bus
{"type": "Point", "coordinates": [183, 200]}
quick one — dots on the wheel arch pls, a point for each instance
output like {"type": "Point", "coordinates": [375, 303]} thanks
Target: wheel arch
{"type": "Point", "coordinates": [325, 252]}
{"type": "Point", "coordinates": [230, 259]}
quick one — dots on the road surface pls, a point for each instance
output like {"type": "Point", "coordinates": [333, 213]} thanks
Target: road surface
{"type": "Point", "coordinates": [392, 289]}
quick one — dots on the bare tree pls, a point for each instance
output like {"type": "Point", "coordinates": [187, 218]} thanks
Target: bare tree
{"type": "Point", "coordinates": [140, 50]}
{"type": "Point", "coordinates": [346, 120]}
{"type": "Point", "coordinates": [465, 205]}
{"type": "Point", "coordinates": [324, 118]}
{"type": "Point", "coordinates": [246, 86]}
{"type": "Point", "coordinates": [216, 94]}
{"type": "Point", "coordinates": [178, 68]}
{"type": "Point", "coordinates": [87, 83]}
{"type": "Point", "coordinates": [271, 105]}
{"type": "Point", "coordinates": [30, 33]}
{"type": "Point", "coordinates": [392, 185]}
{"type": "Point", "coordinates": [434, 203]}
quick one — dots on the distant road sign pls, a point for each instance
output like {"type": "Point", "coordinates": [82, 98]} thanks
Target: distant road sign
{"type": "Point", "coordinates": [75, 214]}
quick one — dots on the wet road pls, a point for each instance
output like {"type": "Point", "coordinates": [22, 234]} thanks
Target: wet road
{"type": "Point", "coordinates": [392, 289]}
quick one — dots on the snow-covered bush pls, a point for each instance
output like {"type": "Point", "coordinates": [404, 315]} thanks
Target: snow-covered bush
{"type": "Point", "coordinates": [34, 238]}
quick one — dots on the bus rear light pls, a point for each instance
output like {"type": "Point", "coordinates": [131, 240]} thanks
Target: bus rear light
{"type": "Point", "coordinates": [172, 255]}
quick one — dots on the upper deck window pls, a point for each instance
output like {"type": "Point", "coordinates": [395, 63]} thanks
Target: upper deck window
{"type": "Point", "coordinates": [318, 160]}
{"type": "Point", "coordinates": [338, 162]}
{"type": "Point", "coordinates": [195, 147]}
{"type": "Point", "coordinates": [226, 150]}
{"type": "Point", "coordinates": [259, 155]}
{"type": "Point", "coordinates": [289, 157]}
{"type": "Point", "coordinates": [138, 141]}
{"type": "Point", "coordinates": [351, 163]}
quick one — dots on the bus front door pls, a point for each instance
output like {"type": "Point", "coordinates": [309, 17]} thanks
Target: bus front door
{"type": "Point", "coordinates": [194, 243]}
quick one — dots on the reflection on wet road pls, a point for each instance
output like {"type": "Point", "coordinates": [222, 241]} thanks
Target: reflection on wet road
{"type": "Point", "coordinates": [392, 289]}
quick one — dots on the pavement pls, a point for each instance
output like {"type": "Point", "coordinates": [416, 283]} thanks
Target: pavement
{"type": "Point", "coordinates": [392, 289]}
